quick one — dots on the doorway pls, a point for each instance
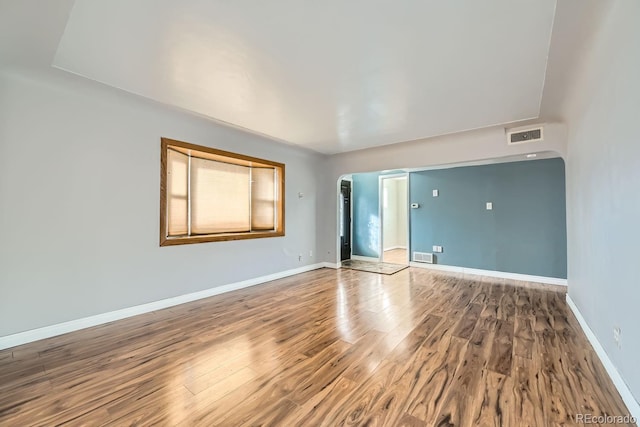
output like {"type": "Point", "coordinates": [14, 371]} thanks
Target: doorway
{"type": "Point", "coordinates": [345, 220]}
{"type": "Point", "coordinates": [394, 224]}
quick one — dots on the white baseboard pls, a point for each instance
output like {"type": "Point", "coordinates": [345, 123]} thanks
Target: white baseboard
{"type": "Point", "coordinates": [333, 265]}
{"type": "Point", "coordinates": [87, 322]}
{"type": "Point", "coordinates": [394, 247]}
{"type": "Point", "coordinates": [364, 258]}
{"type": "Point", "coordinates": [621, 386]}
{"type": "Point", "coordinates": [491, 273]}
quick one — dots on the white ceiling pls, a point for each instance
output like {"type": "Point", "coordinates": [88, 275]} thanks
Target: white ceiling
{"type": "Point", "coordinates": [30, 31]}
{"type": "Point", "coordinates": [575, 25]}
{"type": "Point", "coordinates": [331, 76]}
{"type": "Point", "coordinates": [328, 75]}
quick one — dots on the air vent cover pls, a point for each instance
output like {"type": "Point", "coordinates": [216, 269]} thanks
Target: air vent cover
{"type": "Point", "coordinates": [423, 257]}
{"type": "Point", "coordinates": [521, 136]}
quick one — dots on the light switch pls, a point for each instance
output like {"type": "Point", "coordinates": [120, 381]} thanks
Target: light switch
{"type": "Point", "coordinates": [489, 206]}
{"type": "Point", "coordinates": [435, 193]}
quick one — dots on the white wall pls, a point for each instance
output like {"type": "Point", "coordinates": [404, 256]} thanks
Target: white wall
{"type": "Point", "coordinates": [79, 192]}
{"type": "Point", "coordinates": [395, 215]}
{"type": "Point", "coordinates": [402, 204]}
{"type": "Point", "coordinates": [603, 183]}
{"type": "Point", "coordinates": [389, 214]}
{"type": "Point", "coordinates": [482, 144]}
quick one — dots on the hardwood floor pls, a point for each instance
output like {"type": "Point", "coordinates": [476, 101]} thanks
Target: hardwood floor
{"type": "Point", "coordinates": [322, 348]}
{"type": "Point", "coordinates": [395, 256]}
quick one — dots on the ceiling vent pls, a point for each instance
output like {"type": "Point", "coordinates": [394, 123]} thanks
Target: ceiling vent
{"type": "Point", "coordinates": [522, 136]}
{"type": "Point", "coordinates": [423, 257]}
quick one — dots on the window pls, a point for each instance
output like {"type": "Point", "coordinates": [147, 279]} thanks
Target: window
{"type": "Point", "coordinates": [208, 195]}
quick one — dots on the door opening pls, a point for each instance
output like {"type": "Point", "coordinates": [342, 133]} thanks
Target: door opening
{"type": "Point", "coordinates": [394, 224]}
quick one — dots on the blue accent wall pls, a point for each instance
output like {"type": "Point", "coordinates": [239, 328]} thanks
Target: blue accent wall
{"type": "Point", "coordinates": [366, 220]}
{"type": "Point", "coordinates": [524, 233]}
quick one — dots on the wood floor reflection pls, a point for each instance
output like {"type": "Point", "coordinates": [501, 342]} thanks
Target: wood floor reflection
{"type": "Point", "coordinates": [322, 348]}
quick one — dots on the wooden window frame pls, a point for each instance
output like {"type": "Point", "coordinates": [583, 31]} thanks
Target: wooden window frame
{"type": "Point", "coordinates": [230, 157]}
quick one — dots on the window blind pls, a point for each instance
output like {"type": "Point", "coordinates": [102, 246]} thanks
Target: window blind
{"type": "Point", "coordinates": [177, 203]}
{"type": "Point", "coordinates": [212, 195]}
{"type": "Point", "coordinates": [263, 197]}
{"type": "Point", "coordinates": [220, 198]}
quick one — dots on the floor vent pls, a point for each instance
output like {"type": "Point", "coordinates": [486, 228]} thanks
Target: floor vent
{"type": "Point", "coordinates": [423, 257]}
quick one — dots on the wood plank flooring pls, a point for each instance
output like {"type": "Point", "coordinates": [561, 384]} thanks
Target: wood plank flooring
{"type": "Point", "coordinates": [327, 347]}
{"type": "Point", "coordinates": [395, 256]}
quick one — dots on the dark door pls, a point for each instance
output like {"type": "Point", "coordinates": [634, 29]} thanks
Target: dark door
{"type": "Point", "coordinates": [345, 220]}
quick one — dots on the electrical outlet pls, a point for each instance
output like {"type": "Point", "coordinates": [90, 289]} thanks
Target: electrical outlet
{"type": "Point", "coordinates": [310, 253]}
{"type": "Point", "coordinates": [437, 249]}
{"type": "Point", "coordinates": [300, 257]}
{"type": "Point", "coordinates": [617, 336]}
